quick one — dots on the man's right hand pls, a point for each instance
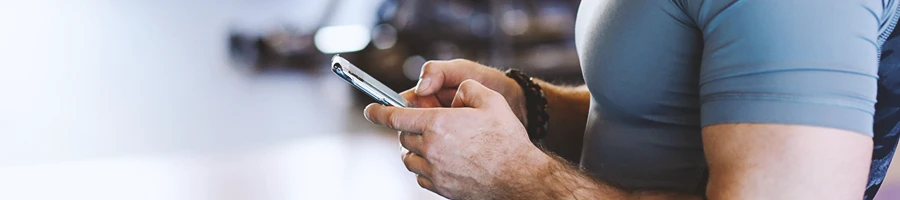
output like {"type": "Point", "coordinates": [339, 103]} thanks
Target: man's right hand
{"type": "Point", "coordinates": [440, 79]}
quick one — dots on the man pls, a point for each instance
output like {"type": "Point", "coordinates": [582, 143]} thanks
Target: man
{"type": "Point", "coordinates": [684, 99]}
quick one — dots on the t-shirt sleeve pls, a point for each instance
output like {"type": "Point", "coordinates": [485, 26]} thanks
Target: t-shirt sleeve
{"type": "Point", "coordinates": [801, 62]}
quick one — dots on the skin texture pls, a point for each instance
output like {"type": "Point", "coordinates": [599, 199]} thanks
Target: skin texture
{"type": "Point", "coordinates": [440, 79]}
{"type": "Point", "coordinates": [473, 145]}
{"type": "Point", "coordinates": [771, 161]}
{"type": "Point", "coordinates": [568, 118]}
{"type": "Point", "coordinates": [446, 145]}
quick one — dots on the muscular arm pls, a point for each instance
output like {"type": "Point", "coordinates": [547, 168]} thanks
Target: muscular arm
{"type": "Point", "coordinates": [560, 180]}
{"type": "Point", "coordinates": [770, 161]}
{"type": "Point", "coordinates": [557, 177]}
{"type": "Point", "coordinates": [568, 116]}
{"type": "Point", "coordinates": [746, 161]}
{"type": "Point", "coordinates": [786, 96]}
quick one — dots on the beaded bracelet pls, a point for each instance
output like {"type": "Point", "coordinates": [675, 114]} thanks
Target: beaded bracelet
{"type": "Point", "coordinates": [537, 110]}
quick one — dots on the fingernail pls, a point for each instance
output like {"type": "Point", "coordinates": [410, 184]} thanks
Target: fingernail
{"type": "Point", "coordinates": [424, 83]}
{"type": "Point", "coordinates": [366, 111]}
{"type": "Point", "coordinates": [366, 115]}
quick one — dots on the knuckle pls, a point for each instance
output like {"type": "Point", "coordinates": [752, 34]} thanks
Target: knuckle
{"type": "Point", "coordinates": [437, 117]}
{"type": "Point", "coordinates": [496, 96]}
{"type": "Point", "coordinates": [403, 137]}
{"type": "Point", "coordinates": [422, 182]}
{"type": "Point", "coordinates": [407, 141]}
{"type": "Point", "coordinates": [460, 61]}
{"type": "Point", "coordinates": [425, 149]}
{"type": "Point", "coordinates": [472, 85]}
{"type": "Point", "coordinates": [404, 143]}
{"type": "Point", "coordinates": [408, 166]}
{"type": "Point", "coordinates": [467, 83]}
{"type": "Point", "coordinates": [429, 154]}
{"type": "Point", "coordinates": [429, 66]}
{"type": "Point", "coordinates": [437, 122]}
{"type": "Point", "coordinates": [407, 159]}
{"type": "Point", "coordinates": [463, 87]}
{"type": "Point", "coordinates": [393, 120]}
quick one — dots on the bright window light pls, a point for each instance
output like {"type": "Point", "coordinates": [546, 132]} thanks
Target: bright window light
{"type": "Point", "coordinates": [342, 39]}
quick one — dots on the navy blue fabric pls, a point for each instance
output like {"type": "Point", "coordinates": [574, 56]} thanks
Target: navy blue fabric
{"type": "Point", "coordinates": [887, 113]}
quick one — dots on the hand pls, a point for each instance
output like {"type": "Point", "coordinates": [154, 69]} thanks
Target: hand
{"type": "Point", "coordinates": [474, 150]}
{"type": "Point", "coordinates": [439, 81]}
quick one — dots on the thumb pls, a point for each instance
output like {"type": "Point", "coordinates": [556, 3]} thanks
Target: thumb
{"type": "Point", "coordinates": [446, 74]}
{"type": "Point", "coordinates": [473, 94]}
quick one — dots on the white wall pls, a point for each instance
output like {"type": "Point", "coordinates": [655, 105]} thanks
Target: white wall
{"type": "Point", "coordinates": [82, 78]}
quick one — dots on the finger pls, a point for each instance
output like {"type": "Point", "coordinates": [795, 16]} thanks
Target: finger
{"type": "Point", "coordinates": [419, 101]}
{"type": "Point", "coordinates": [403, 151]}
{"type": "Point", "coordinates": [446, 74]}
{"type": "Point", "coordinates": [473, 94]}
{"type": "Point", "coordinates": [412, 142]}
{"type": "Point", "coordinates": [416, 164]}
{"type": "Point", "coordinates": [442, 98]}
{"type": "Point", "coordinates": [425, 183]}
{"type": "Point", "coordinates": [445, 96]}
{"type": "Point", "coordinates": [409, 94]}
{"type": "Point", "coordinates": [403, 119]}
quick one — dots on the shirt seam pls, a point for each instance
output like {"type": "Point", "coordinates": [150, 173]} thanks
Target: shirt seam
{"type": "Point", "coordinates": [789, 98]}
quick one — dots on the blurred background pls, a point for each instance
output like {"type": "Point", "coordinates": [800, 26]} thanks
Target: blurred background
{"type": "Point", "coordinates": [234, 99]}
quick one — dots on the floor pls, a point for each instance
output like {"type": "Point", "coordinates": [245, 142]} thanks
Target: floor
{"type": "Point", "coordinates": [112, 100]}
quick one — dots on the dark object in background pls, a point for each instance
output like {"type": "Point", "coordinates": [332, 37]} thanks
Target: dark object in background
{"type": "Point", "coordinates": [536, 36]}
{"type": "Point", "coordinates": [279, 49]}
{"type": "Point", "coordinates": [284, 47]}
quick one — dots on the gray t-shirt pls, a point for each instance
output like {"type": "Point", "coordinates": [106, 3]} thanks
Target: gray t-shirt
{"type": "Point", "coordinates": [660, 70]}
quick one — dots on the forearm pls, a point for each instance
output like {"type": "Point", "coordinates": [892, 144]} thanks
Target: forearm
{"type": "Point", "coordinates": [564, 181]}
{"type": "Point", "coordinates": [568, 116]}
{"type": "Point", "coordinates": [557, 179]}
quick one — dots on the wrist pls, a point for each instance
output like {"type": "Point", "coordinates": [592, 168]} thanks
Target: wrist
{"type": "Point", "coordinates": [536, 107]}
{"type": "Point", "coordinates": [517, 101]}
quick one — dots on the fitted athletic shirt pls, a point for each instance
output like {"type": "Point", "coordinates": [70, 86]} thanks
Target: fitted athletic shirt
{"type": "Point", "coordinates": [660, 70]}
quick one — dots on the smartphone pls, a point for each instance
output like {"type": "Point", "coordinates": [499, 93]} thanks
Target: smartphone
{"type": "Point", "coordinates": [366, 83]}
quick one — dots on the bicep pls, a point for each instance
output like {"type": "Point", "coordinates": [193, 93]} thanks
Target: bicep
{"type": "Point", "coordinates": [787, 93]}
{"type": "Point", "coordinates": [770, 161]}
